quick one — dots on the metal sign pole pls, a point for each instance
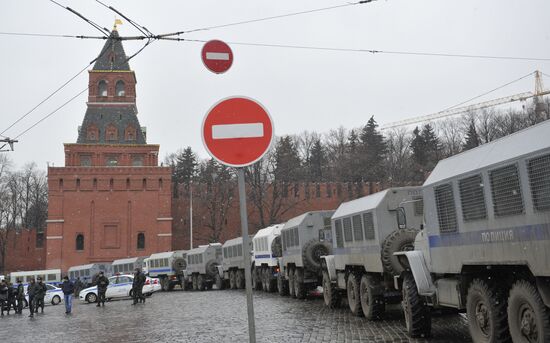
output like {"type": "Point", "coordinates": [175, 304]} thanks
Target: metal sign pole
{"type": "Point", "coordinates": [247, 264]}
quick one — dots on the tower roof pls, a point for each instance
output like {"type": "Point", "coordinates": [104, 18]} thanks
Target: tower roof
{"type": "Point", "coordinates": [103, 117]}
{"type": "Point", "coordinates": [112, 56]}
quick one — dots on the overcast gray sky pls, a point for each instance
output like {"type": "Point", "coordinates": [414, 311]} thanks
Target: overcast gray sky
{"type": "Point", "coordinates": [302, 89]}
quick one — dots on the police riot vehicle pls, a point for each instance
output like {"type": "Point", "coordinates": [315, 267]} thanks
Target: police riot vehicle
{"type": "Point", "coordinates": [168, 267]}
{"type": "Point", "coordinates": [49, 276]}
{"type": "Point", "coordinates": [128, 265]}
{"type": "Point", "coordinates": [485, 246]}
{"type": "Point", "coordinates": [305, 239]}
{"type": "Point", "coordinates": [89, 272]}
{"type": "Point", "coordinates": [202, 266]}
{"type": "Point", "coordinates": [231, 272]}
{"type": "Point", "coordinates": [267, 250]}
{"type": "Point", "coordinates": [366, 234]}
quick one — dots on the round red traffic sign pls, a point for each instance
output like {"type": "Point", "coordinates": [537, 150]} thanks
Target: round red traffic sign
{"type": "Point", "coordinates": [237, 131]}
{"type": "Point", "coordinates": [217, 56]}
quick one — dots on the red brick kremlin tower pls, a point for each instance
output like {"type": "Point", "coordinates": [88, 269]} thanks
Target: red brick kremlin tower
{"type": "Point", "coordinates": [111, 200]}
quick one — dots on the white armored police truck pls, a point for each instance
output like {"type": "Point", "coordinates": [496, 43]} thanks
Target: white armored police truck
{"type": "Point", "coordinates": [231, 272]}
{"type": "Point", "coordinates": [305, 239]}
{"type": "Point", "coordinates": [169, 267]}
{"type": "Point", "coordinates": [365, 236]}
{"type": "Point", "coordinates": [267, 250]}
{"type": "Point", "coordinates": [485, 245]}
{"type": "Point", "coordinates": [128, 265]}
{"type": "Point", "coordinates": [202, 266]}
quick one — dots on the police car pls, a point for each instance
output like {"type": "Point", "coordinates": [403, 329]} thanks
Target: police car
{"type": "Point", "coordinates": [120, 286]}
{"type": "Point", "coordinates": [54, 295]}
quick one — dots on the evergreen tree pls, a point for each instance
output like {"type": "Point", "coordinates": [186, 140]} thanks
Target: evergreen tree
{"type": "Point", "coordinates": [432, 146]}
{"type": "Point", "coordinates": [353, 164]}
{"type": "Point", "coordinates": [317, 162]}
{"type": "Point", "coordinates": [286, 161]}
{"type": "Point", "coordinates": [472, 138]}
{"type": "Point", "coordinates": [373, 151]}
{"type": "Point", "coordinates": [426, 150]}
{"type": "Point", "coordinates": [185, 167]}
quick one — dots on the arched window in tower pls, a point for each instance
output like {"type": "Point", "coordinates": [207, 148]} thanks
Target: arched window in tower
{"type": "Point", "coordinates": [92, 133]}
{"type": "Point", "coordinates": [102, 88]}
{"type": "Point", "coordinates": [130, 134]}
{"type": "Point", "coordinates": [119, 88]}
{"type": "Point", "coordinates": [80, 242]}
{"type": "Point", "coordinates": [141, 241]}
{"type": "Point", "coordinates": [111, 133]}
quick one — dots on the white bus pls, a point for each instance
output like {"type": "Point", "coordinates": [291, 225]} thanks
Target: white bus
{"type": "Point", "coordinates": [51, 276]}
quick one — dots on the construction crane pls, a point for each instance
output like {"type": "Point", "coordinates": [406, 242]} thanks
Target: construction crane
{"type": "Point", "coordinates": [539, 106]}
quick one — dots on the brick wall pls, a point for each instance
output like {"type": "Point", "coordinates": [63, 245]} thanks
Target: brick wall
{"type": "Point", "coordinates": [300, 198]}
{"type": "Point", "coordinates": [22, 252]}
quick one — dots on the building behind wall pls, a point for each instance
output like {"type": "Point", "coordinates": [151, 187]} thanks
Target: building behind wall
{"type": "Point", "coordinates": [111, 200]}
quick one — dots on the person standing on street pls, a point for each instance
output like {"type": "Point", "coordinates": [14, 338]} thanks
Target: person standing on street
{"type": "Point", "coordinates": [137, 286]}
{"type": "Point", "coordinates": [68, 289]}
{"type": "Point", "coordinates": [12, 292]}
{"type": "Point", "coordinates": [41, 290]}
{"type": "Point", "coordinates": [142, 279]}
{"type": "Point", "coordinates": [20, 297]}
{"type": "Point", "coordinates": [31, 292]}
{"type": "Point", "coordinates": [3, 295]}
{"type": "Point", "coordinates": [77, 287]}
{"type": "Point", "coordinates": [135, 282]}
{"type": "Point", "coordinates": [102, 284]}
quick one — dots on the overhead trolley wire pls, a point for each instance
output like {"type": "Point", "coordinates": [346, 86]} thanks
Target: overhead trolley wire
{"type": "Point", "coordinates": [51, 113]}
{"type": "Point", "coordinates": [267, 18]}
{"type": "Point", "coordinates": [96, 26]}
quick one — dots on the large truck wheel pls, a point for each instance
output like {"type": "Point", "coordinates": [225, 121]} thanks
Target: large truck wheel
{"type": "Point", "coordinates": [282, 285]}
{"type": "Point", "coordinates": [195, 285]}
{"type": "Point", "coordinates": [267, 278]}
{"type": "Point", "coordinates": [331, 295]}
{"type": "Point", "coordinates": [201, 285]}
{"type": "Point", "coordinates": [232, 280]}
{"type": "Point", "coordinates": [239, 279]}
{"type": "Point", "coordinates": [417, 314]}
{"type": "Point", "coordinates": [291, 280]}
{"type": "Point", "coordinates": [354, 296]}
{"type": "Point", "coordinates": [164, 283]}
{"type": "Point", "coordinates": [486, 308]}
{"type": "Point", "coordinates": [528, 317]}
{"type": "Point", "coordinates": [219, 282]}
{"type": "Point", "coordinates": [299, 286]}
{"type": "Point", "coordinates": [312, 252]}
{"type": "Point", "coordinates": [373, 305]}
{"type": "Point", "coordinates": [399, 240]}
{"type": "Point", "coordinates": [257, 278]}
{"type": "Point", "coordinates": [270, 283]}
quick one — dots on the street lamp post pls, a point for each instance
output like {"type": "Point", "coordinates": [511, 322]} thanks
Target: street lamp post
{"type": "Point", "coordinates": [191, 214]}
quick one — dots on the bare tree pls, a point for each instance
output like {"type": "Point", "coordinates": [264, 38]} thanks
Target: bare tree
{"type": "Point", "coordinates": [398, 158]}
{"type": "Point", "coordinates": [451, 136]}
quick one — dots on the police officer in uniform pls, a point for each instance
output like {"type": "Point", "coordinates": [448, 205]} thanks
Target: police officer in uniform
{"type": "Point", "coordinates": [12, 292]}
{"type": "Point", "coordinates": [20, 297]}
{"type": "Point", "coordinates": [31, 291]}
{"type": "Point", "coordinates": [3, 295]}
{"type": "Point", "coordinates": [137, 286]}
{"type": "Point", "coordinates": [102, 283]}
{"type": "Point", "coordinates": [41, 290]}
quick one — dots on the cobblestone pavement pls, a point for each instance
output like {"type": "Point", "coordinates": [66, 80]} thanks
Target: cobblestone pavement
{"type": "Point", "coordinates": [216, 316]}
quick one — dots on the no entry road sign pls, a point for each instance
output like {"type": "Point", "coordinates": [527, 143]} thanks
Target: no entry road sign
{"type": "Point", "coordinates": [217, 56]}
{"type": "Point", "coordinates": [237, 131]}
